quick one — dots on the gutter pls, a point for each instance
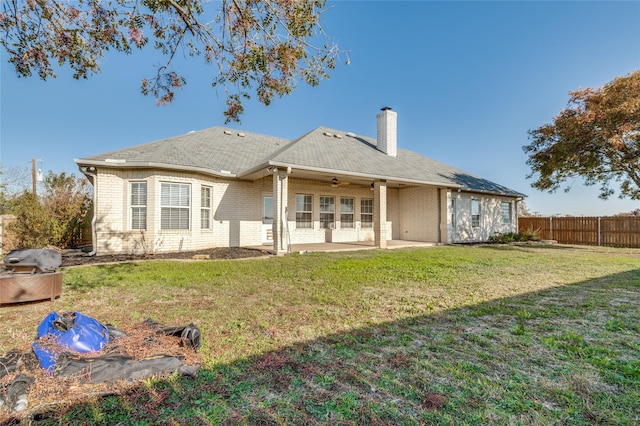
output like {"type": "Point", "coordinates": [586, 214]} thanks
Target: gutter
{"type": "Point", "coordinates": [120, 164]}
{"type": "Point", "coordinates": [89, 172]}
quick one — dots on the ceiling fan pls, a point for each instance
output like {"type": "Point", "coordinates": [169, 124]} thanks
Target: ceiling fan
{"type": "Point", "coordinates": [336, 183]}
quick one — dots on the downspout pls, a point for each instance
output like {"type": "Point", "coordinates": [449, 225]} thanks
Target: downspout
{"type": "Point", "coordinates": [89, 172]}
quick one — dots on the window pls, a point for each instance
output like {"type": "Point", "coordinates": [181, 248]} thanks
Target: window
{"type": "Point", "coordinates": [475, 213]}
{"type": "Point", "coordinates": [366, 213]}
{"type": "Point", "coordinates": [267, 210]}
{"type": "Point", "coordinates": [174, 206]}
{"type": "Point", "coordinates": [205, 207]}
{"type": "Point", "coordinates": [346, 212]}
{"type": "Point", "coordinates": [453, 213]}
{"type": "Point", "coordinates": [304, 211]}
{"type": "Point", "coordinates": [327, 212]}
{"type": "Point", "coordinates": [138, 205]}
{"type": "Point", "coordinates": [506, 212]}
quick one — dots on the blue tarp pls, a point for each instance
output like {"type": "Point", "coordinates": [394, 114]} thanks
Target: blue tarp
{"type": "Point", "coordinates": [75, 331]}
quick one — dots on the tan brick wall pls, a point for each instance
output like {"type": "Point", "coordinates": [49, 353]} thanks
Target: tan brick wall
{"type": "Point", "coordinates": [419, 215]}
{"type": "Point", "coordinates": [412, 213]}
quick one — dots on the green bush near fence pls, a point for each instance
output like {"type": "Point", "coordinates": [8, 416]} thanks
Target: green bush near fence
{"type": "Point", "coordinates": [514, 237]}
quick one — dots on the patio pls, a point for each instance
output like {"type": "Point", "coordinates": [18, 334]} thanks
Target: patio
{"type": "Point", "coordinates": [349, 246]}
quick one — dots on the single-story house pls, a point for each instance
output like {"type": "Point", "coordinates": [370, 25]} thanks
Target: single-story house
{"type": "Point", "coordinates": [220, 187]}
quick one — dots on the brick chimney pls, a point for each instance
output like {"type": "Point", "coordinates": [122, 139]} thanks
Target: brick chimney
{"type": "Point", "coordinates": [387, 121]}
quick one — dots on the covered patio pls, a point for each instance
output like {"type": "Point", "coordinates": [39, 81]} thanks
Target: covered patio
{"type": "Point", "coordinates": [348, 246]}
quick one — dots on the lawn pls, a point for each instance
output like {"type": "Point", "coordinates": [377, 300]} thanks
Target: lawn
{"type": "Point", "coordinates": [444, 335]}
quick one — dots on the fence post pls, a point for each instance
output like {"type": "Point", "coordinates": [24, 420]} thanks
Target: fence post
{"type": "Point", "coordinates": [551, 227]}
{"type": "Point", "coordinates": [599, 233]}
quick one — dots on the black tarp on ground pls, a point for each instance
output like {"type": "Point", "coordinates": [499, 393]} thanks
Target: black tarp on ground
{"type": "Point", "coordinates": [110, 367]}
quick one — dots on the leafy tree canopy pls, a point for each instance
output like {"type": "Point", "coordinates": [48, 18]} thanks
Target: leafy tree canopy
{"type": "Point", "coordinates": [265, 45]}
{"type": "Point", "coordinates": [597, 138]}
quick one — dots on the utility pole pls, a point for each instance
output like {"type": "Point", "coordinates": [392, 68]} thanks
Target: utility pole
{"type": "Point", "coordinates": [33, 174]}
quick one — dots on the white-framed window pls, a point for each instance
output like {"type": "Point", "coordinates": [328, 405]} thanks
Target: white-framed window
{"type": "Point", "coordinates": [346, 212]}
{"type": "Point", "coordinates": [175, 205]}
{"type": "Point", "coordinates": [475, 213]}
{"type": "Point", "coordinates": [205, 207]}
{"type": "Point", "coordinates": [366, 213]}
{"type": "Point", "coordinates": [453, 212]}
{"type": "Point", "coordinates": [505, 209]}
{"type": "Point", "coordinates": [327, 212]}
{"type": "Point", "coordinates": [138, 205]}
{"type": "Point", "coordinates": [267, 209]}
{"type": "Point", "coordinates": [304, 211]}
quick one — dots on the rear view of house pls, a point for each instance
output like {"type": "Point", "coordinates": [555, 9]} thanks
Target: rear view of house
{"type": "Point", "coordinates": [220, 187]}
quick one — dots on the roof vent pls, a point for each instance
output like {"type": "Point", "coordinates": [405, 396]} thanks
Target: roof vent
{"type": "Point", "coordinates": [227, 132]}
{"type": "Point", "coordinates": [328, 134]}
{"type": "Point", "coordinates": [241, 135]}
{"type": "Point", "coordinates": [351, 134]}
{"type": "Point", "coordinates": [337, 136]}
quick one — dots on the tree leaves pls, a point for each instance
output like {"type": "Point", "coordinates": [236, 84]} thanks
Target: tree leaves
{"type": "Point", "coordinates": [255, 45]}
{"type": "Point", "coordinates": [597, 137]}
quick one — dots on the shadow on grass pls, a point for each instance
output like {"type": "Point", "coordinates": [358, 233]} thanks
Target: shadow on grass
{"type": "Point", "coordinates": [567, 355]}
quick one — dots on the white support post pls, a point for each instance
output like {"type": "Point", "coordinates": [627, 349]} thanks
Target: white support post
{"type": "Point", "coordinates": [380, 214]}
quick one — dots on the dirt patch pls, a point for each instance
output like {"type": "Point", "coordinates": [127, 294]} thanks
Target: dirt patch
{"type": "Point", "coordinates": [78, 258]}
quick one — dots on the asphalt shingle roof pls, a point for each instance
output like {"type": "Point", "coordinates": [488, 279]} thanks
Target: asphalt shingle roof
{"type": "Point", "coordinates": [218, 149]}
{"type": "Point", "coordinates": [214, 150]}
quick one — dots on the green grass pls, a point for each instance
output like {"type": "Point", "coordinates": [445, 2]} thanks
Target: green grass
{"type": "Point", "coordinates": [445, 335]}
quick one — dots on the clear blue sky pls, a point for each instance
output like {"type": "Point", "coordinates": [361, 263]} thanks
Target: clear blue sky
{"type": "Point", "coordinates": [467, 79]}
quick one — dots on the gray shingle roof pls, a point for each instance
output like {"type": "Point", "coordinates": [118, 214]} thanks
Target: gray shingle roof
{"type": "Point", "coordinates": [211, 150]}
{"type": "Point", "coordinates": [218, 149]}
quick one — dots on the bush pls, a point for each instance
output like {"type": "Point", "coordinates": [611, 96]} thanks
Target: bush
{"type": "Point", "coordinates": [511, 237]}
{"type": "Point", "coordinates": [55, 218]}
{"type": "Point", "coordinates": [33, 223]}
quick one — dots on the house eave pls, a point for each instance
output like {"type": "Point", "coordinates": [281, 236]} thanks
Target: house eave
{"type": "Point", "coordinates": [362, 175]}
{"type": "Point", "coordinates": [118, 164]}
{"type": "Point", "coordinates": [495, 193]}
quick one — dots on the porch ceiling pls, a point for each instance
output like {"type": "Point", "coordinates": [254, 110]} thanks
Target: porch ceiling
{"type": "Point", "coordinates": [344, 179]}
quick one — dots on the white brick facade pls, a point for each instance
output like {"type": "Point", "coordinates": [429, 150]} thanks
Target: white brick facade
{"type": "Point", "coordinates": [420, 213]}
{"type": "Point", "coordinates": [459, 222]}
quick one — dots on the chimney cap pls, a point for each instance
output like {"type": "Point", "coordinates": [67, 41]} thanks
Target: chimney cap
{"type": "Point", "coordinates": [385, 108]}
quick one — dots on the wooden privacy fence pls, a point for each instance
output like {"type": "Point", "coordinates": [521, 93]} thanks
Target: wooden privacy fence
{"type": "Point", "coordinates": [617, 231]}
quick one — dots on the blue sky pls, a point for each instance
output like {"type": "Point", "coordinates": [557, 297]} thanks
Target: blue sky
{"type": "Point", "coordinates": [467, 79]}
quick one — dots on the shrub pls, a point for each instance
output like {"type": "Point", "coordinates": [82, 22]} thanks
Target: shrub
{"type": "Point", "coordinates": [511, 237]}
{"type": "Point", "coordinates": [55, 218]}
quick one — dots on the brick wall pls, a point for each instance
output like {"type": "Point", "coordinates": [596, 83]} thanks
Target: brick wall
{"type": "Point", "coordinates": [419, 217]}
{"type": "Point", "coordinates": [412, 213]}
{"type": "Point", "coordinates": [490, 217]}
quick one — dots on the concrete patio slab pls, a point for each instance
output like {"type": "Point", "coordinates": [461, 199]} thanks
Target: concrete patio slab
{"type": "Point", "coordinates": [348, 246]}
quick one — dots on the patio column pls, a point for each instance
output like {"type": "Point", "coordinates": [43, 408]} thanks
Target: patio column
{"type": "Point", "coordinates": [280, 210]}
{"type": "Point", "coordinates": [443, 214]}
{"type": "Point", "coordinates": [380, 213]}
